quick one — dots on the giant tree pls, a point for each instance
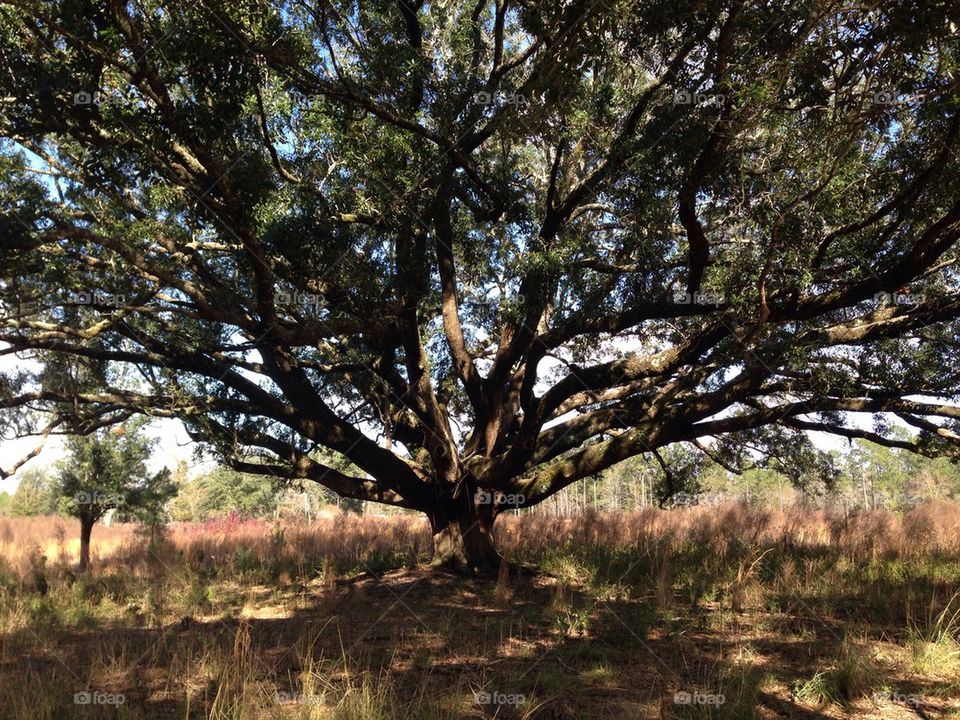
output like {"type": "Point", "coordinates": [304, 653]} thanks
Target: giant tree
{"type": "Point", "coordinates": [481, 250]}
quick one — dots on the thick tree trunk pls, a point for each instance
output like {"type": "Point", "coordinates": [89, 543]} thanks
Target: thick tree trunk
{"type": "Point", "coordinates": [463, 539]}
{"type": "Point", "coordinates": [86, 528]}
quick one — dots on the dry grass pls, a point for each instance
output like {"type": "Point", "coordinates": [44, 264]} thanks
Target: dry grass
{"type": "Point", "coordinates": [793, 613]}
{"type": "Point", "coordinates": [230, 543]}
{"type": "Point", "coordinates": [929, 530]}
{"type": "Point", "coordinates": [58, 538]}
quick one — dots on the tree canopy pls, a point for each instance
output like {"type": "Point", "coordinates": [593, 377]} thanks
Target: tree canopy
{"type": "Point", "coordinates": [481, 250]}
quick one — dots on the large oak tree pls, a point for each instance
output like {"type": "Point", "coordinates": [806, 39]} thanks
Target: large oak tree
{"type": "Point", "coordinates": [480, 250]}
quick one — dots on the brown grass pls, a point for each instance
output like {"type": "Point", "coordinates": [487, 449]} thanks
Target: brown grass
{"type": "Point", "coordinates": [351, 540]}
{"type": "Point", "coordinates": [787, 613]}
{"type": "Point", "coordinates": [932, 528]}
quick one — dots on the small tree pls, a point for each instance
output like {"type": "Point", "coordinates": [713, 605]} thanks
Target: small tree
{"type": "Point", "coordinates": [33, 496]}
{"type": "Point", "coordinates": [147, 505]}
{"type": "Point", "coordinates": [107, 470]}
{"type": "Point", "coordinates": [185, 507]}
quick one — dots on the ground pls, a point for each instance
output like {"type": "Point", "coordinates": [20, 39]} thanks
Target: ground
{"type": "Point", "coordinates": [735, 623]}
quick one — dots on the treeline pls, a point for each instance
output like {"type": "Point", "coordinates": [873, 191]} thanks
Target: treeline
{"type": "Point", "coordinates": [865, 476]}
{"type": "Point", "coordinates": [210, 494]}
{"type": "Point", "coordinates": [223, 490]}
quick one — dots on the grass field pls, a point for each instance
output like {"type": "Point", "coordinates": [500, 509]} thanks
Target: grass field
{"type": "Point", "coordinates": [713, 612]}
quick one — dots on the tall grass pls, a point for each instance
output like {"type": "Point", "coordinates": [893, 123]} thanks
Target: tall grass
{"type": "Point", "coordinates": [237, 545]}
{"type": "Point", "coordinates": [663, 575]}
{"type": "Point", "coordinates": [935, 641]}
{"type": "Point", "coordinates": [927, 530]}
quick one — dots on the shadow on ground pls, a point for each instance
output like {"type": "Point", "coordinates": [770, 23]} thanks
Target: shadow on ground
{"type": "Point", "coordinates": [424, 644]}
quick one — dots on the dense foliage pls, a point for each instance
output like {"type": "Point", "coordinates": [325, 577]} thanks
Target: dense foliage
{"type": "Point", "coordinates": [107, 470]}
{"type": "Point", "coordinates": [482, 250]}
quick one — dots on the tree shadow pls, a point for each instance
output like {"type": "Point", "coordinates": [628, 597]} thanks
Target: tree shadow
{"type": "Point", "coordinates": [470, 646]}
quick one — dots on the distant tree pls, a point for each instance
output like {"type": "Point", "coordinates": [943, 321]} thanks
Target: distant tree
{"type": "Point", "coordinates": [879, 476]}
{"type": "Point", "coordinates": [658, 478]}
{"type": "Point", "coordinates": [4, 503]}
{"type": "Point", "coordinates": [307, 499]}
{"type": "Point", "coordinates": [321, 495]}
{"type": "Point", "coordinates": [936, 478]}
{"type": "Point", "coordinates": [628, 484]}
{"type": "Point", "coordinates": [107, 470]}
{"type": "Point", "coordinates": [147, 503]}
{"type": "Point", "coordinates": [224, 490]}
{"type": "Point", "coordinates": [34, 495]}
{"type": "Point", "coordinates": [185, 506]}
{"type": "Point", "coordinates": [761, 484]}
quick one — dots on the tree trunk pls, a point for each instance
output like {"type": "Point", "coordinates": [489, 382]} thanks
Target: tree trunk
{"type": "Point", "coordinates": [463, 538]}
{"type": "Point", "coordinates": [86, 528]}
